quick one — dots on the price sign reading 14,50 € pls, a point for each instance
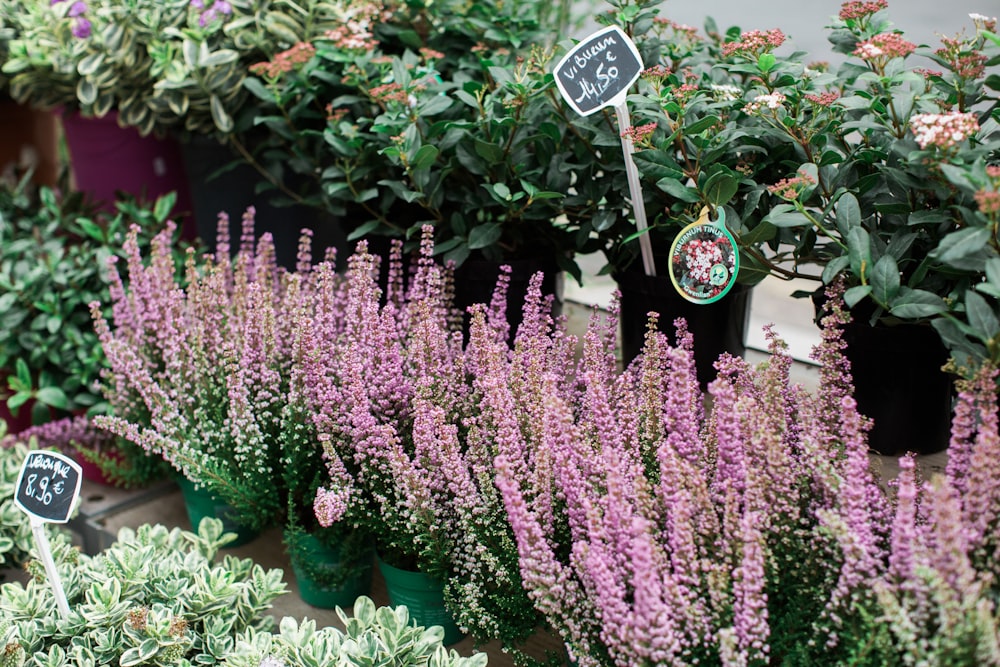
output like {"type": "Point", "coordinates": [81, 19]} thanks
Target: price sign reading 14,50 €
{"type": "Point", "coordinates": [48, 485]}
{"type": "Point", "coordinates": [598, 72]}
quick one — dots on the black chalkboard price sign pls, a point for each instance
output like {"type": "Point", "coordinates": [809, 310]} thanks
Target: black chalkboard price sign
{"type": "Point", "coordinates": [599, 71]}
{"type": "Point", "coordinates": [48, 486]}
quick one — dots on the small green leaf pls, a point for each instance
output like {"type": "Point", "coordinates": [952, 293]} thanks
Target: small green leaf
{"type": "Point", "coordinates": [765, 62]}
{"type": "Point", "coordinates": [859, 252]}
{"type": "Point", "coordinates": [885, 280]}
{"type": "Point", "coordinates": [221, 119]}
{"type": "Point", "coordinates": [17, 400]}
{"type": "Point", "coordinates": [52, 396]}
{"type": "Point", "coordinates": [502, 191]}
{"type": "Point", "coordinates": [916, 304]}
{"type": "Point", "coordinates": [424, 157]}
{"type": "Point", "coordinates": [848, 214]}
{"type": "Point", "coordinates": [484, 236]}
{"type": "Point", "coordinates": [982, 317]}
{"type": "Point", "coordinates": [855, 294]}
{"type": "Point", "coordinates": [674, 188]}
{"type": "Point", "coordinates": [23, 372]}
{"type": "Point", "coordinates": [961, 244]}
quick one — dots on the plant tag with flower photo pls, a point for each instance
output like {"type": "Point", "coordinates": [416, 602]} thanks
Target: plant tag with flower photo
{"type": "Point", "coordinates": [703, 259]}
{"type": "Point", "coordinates": [599, 71]}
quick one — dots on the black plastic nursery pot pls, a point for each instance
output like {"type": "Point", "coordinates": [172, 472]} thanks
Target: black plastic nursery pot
{"type": "Point", "coordinates": [899, 383]}
{"type": "Point", "coordinates": [716, 327]}
{"type": "Point", "coordinates": [233, 190]}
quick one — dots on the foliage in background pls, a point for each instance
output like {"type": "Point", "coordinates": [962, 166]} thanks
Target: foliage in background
{"type": "Point", "coordinates": [174, 65]}
{"type": "Point", "coordinates": [156, 596]}
{"type": "Point", "coordinates": [885, 170]}
{"type": "Point", "coordinates": [696, 145]}
{"type": "Point", "coordinates": [54, 255]}
{"type": "Point", "coordinates": [372, 636]}
{"type": "Point", "coordinates": [434, 113]}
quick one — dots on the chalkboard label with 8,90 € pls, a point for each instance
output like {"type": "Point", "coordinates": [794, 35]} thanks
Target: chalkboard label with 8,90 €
{"type": "Point", "coordinates": [48, 486]}
{"type": "Point", "coordinates": [598, 72]}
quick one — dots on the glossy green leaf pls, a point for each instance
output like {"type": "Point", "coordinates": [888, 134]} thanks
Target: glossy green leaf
{"type": "Point", "coordinates": [982, 317]}
{"type": "Point", "coordinates": [859, 252]}
{"type": "Point", "coordinates": [885, 281]}
{"type": "Point", "coordinates": [484, 236]}
{"type": "Point", "coordinates": [676, 189]}
{"type": "Point", "coordinates": [917, 304]}
{"type": "Point", "coordinates": [424, 157]}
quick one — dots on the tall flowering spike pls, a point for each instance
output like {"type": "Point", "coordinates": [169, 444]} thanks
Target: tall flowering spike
{"type": "Point", "coordinates": [835, 381]}
{"type": "Point", "coordinates": [907, 548]}
{"type": "Point", "coordinates": [394, 289]}
{"type": "Point", "coordinates": [658, 609]}
{"type": "Point", "coordinates": [750, 617]}
{"type": "Point", "coordinates": [550, 584]}
{"type": "Point", "coordinates": [222, 236]}
{"type": "Point", "coordinates": [497, 314]}
{"type": "Point", "coordinates": [978, 485]}
{"type": "Point", "coordinates": [858, 532]}
{"type": "Point", "coordinates": [947, 540]}
{"type": "Point", "coordinates": [303, 259]}
{"type": "Point", "coordinates": [730, 467]}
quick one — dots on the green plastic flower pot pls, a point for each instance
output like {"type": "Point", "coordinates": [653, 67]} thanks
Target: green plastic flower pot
{"type": "Point", "coordinates": [200, 504]}
{"type": "Point", "coordinates": [311, 557]}
{"type": "Point", "coordinates": [423, 596]}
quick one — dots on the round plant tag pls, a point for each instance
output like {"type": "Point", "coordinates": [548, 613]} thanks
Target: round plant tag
{"type": "Point", "coordinates": [703, 260]}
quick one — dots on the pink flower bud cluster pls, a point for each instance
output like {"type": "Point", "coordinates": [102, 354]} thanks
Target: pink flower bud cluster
{"type": "Point", "coordinates": [856, 9]}
{"type": "Point", "coordinates": [285, 61]}
{"type": "Point", "coordinates": [884, 47]}
{"type": "Point", "coordinates": [754, 42]}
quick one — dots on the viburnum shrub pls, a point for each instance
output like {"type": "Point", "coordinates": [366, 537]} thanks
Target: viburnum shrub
{"type": "Point", "coordinates": [440, 113]}
{"type": "Point", "coordinates": [882, 168]}
{"type": "Point", "coordinates": [653, 530]}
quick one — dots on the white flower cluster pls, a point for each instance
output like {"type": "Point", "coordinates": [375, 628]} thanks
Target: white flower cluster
{"type": "Point", "coordinates": [726, 93]}
{"type": "Point", "coordinates": [772, 101]}
{"type": "Point", "coordinates": [943, 130]}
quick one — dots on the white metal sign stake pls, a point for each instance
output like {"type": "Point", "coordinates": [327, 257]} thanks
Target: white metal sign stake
{"type": "Point", "coordinates": [596, 74]}
{"type": "Point", "coordinates": [635, 190]}
{"type": "Point", "coordinates": [45, 551]}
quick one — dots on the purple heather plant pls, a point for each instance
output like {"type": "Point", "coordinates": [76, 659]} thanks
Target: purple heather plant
{"type": "Point", "coordinates": [203, 375]}
{"type": "Point", "coordinates": [652, 533]}
{"type": "Point", "coordinates": [411, 422]}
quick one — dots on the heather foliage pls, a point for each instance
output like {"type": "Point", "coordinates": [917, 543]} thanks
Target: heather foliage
{"type": "Point", "coordinates": [409, 442]}
{"type": "Point", "coordinates": [653, 532]}
{"type": "Point", "coordinates": [204, 377]}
